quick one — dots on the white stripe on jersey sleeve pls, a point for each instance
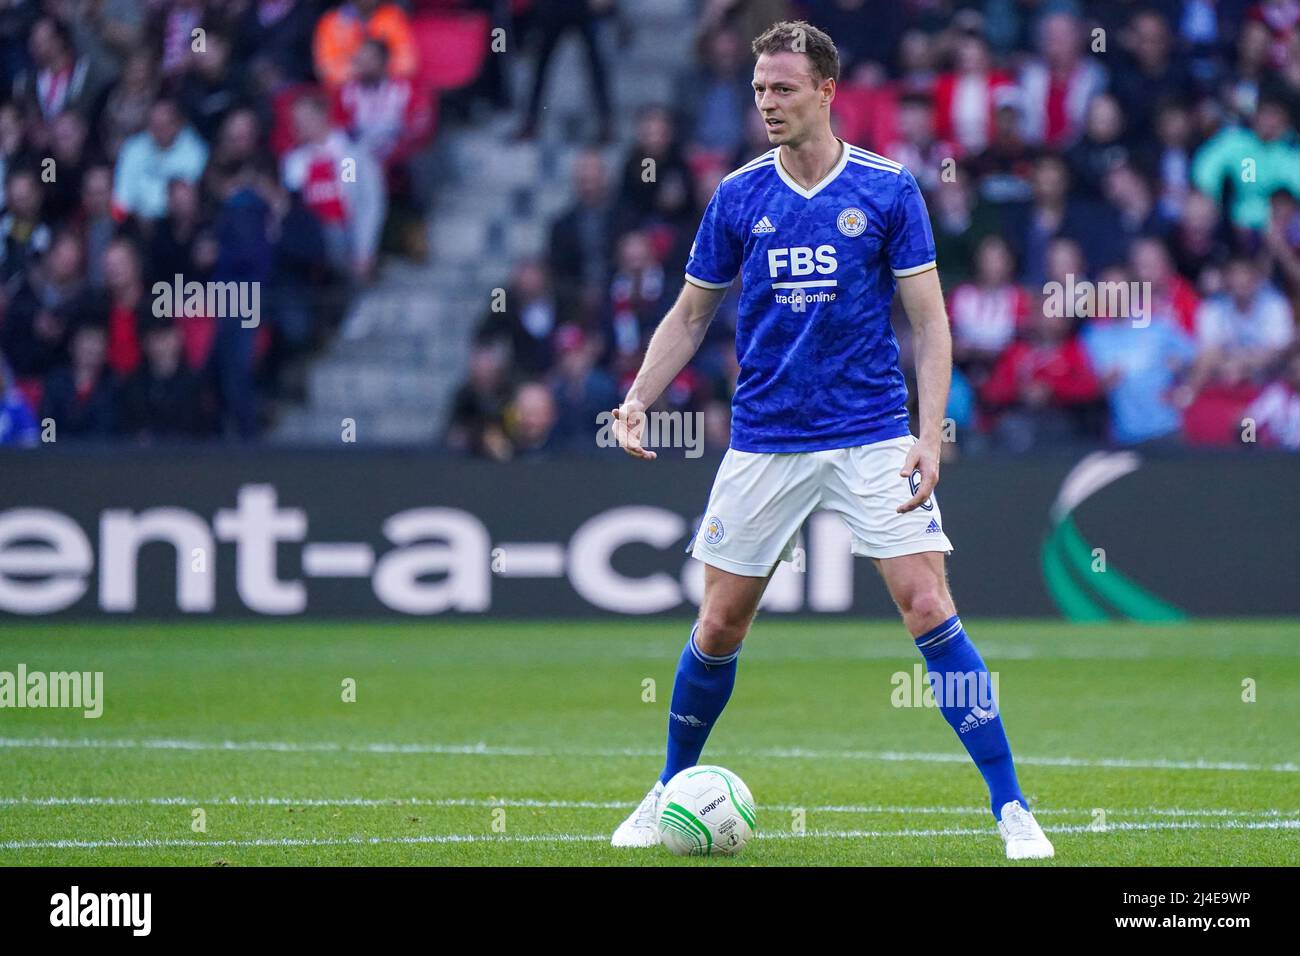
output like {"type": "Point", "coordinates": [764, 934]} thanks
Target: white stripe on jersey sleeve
{"type": "Point", "coordinates": [767, 161]}
{"type": "Point", "coordinates": [863, 162]}
{"type": "Point", "coordinates": [915, 270]}
{"type": "Point", "coordinates": [705, 284]}
{"type": "Point", "coordinates": [875, 157]}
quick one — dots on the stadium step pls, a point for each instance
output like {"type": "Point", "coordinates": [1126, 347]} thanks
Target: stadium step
{"type": "Point", "coordinates": [403, 349]}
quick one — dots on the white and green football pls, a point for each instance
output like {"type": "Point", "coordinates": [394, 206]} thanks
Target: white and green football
{"type": "Point", "coordinates": [705, 811]}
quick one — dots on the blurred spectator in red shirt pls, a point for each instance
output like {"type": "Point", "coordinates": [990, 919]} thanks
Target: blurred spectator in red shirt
{"type": "Point", "coordinates": [1060, 84]}
{"type": "Point", "coordinates": [927, 156]}
{"type": "Point", "coordinates": [987, 313]}
{"type": "Point", "coordinates": [60, 79]}
{"type": "Point", "coordinates": [1173, 298]}
{"type": "Point", "coordinates": [350, 203]}
{"type": "Point", "coordinates": [636, 296]}
{"type": "Point", "coordinates": [386, 115]}
{"type": "Point", "coordinates": [1276, 412]}
{"type": "Point", "coordinates": [1040, 385]}
{"type": "Point", "coordinates": [966, 98]}
{"type": "Point", "coordinates": [126, 300]}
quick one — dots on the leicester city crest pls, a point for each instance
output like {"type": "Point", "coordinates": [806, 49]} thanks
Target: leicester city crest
{"type": "Point", "coordinates": [852, 222]}
{"type": "Point", "coordinates": [713, 530]}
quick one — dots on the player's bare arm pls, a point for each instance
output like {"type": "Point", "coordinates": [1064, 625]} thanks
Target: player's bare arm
{"type": "Point", "coordinates": [674, 342]}
{"type": "Point", "coordinates": [922, 298]}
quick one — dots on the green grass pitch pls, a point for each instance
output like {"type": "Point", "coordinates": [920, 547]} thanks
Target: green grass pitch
{"type": "Point", "coordinates": [505, 743]}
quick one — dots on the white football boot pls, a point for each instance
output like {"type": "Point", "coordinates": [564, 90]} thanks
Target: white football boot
{"type": "Point", "coordinates": [1023, 836]}
{"type": "Point", "coordinates": [641, 828]}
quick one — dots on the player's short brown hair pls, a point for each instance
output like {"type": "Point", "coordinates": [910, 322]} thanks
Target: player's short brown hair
{"type": "Point", "coordinates": [800, 36]}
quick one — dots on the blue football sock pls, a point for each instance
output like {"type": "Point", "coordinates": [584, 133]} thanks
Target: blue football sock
{"type": "Point", "coordinates": [702, 688]}
{"type": "Point", "coordinates": [964, 692]}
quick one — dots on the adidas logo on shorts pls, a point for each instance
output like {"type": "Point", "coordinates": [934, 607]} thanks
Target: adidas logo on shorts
{"type": "Point", "coordinates": [933, 528]}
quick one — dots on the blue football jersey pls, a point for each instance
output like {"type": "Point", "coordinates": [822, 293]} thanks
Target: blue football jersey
{"type": "Point", "coordinates": [818, 357]}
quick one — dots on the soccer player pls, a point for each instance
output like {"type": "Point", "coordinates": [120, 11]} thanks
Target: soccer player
{"type": "Point", "coordinates": [820, 232]}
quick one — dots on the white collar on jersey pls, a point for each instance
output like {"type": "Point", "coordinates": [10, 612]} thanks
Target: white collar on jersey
{"type": "Point", "coordinates": [826, 180]}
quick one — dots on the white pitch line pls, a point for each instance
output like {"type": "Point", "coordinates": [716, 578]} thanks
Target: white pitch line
{"type": "Point", "coordinates": [601, 837]}
{"type": "Point", "coordinates": [526, 802]}
{"type": "Point", "coordinates": [486, 750]}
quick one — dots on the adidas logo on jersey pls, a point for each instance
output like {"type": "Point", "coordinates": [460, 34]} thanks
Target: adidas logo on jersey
{"type": "Point", "coordinates": [763, 226]}
{"type": "Point", "coordinates": [933, 527]}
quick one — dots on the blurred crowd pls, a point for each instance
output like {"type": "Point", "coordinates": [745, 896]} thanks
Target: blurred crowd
{"type": "Point", "coordinates": [1113, 142]}
{"type": "Point", "coordinates": [219, 141]}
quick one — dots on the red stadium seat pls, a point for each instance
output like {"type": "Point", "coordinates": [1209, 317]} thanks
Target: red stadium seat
{"type": "Point", "coordinates": [452, 48]}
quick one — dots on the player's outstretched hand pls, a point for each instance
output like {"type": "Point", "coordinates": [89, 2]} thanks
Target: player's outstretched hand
{"type": "Point", "coordinates": [629, 430]}
{"type": "Point", "coordinates": [923, 456]}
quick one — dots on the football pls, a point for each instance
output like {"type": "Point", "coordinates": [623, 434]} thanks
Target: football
{"type": "Point", "coordinates": [706, 811]}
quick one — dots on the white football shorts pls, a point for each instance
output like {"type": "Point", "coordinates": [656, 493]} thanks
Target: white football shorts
{"type": "Point", "coordinates": [760, 501]}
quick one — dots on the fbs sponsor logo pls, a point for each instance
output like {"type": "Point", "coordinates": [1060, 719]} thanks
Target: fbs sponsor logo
{"type": "Point", "coordinates": [75, 908]}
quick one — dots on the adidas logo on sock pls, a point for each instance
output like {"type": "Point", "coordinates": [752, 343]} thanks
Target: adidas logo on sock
{"type": "Point", "coordinates": [763, 226]}
{"type": "Point", "coordinates": [977, 717]}
{"type": "Point", "coordinates": [690, 720]}
{"type": "Point", "coordinates": [933, 528]}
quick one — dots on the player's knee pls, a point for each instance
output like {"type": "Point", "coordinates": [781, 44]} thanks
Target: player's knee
{"type": "Point", "coordinates": [927, 607]}
{"type": "Point", "coordinates": [720, 632]}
